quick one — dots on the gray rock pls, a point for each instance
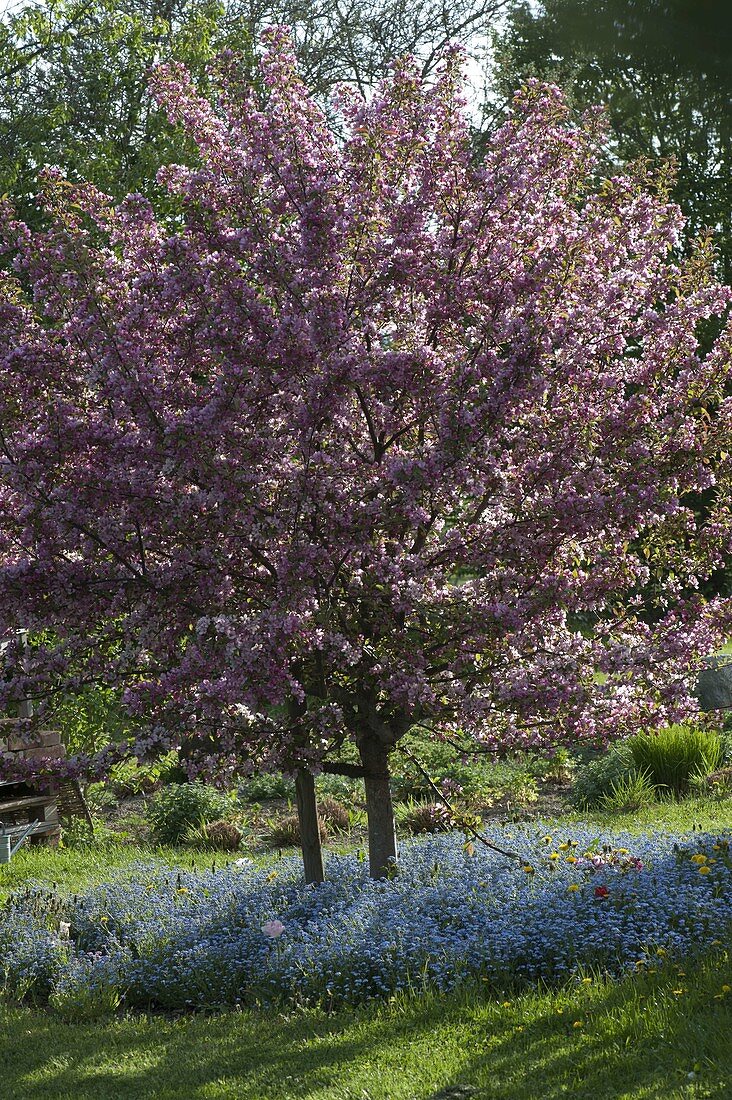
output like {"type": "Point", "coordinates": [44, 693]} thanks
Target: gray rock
{"type": "Point", "coordinates": [714, 684]}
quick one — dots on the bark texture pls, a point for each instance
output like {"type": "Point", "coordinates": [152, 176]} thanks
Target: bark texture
{"type": "Point", "coordinates": [383, 852]}
{"type": "Point", "coordinates": [307, 813]}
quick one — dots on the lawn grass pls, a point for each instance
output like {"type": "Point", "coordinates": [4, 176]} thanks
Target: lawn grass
{"type": "Point", "coordinates": [705, 814]}
{"type": "Point", "coordinates": [74, 869]}
{"type": "Point", "coordinates": [655, 1035]}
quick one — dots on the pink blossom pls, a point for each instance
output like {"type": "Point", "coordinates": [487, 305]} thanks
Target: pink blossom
{"type": "Point", "coordinates": [273, 928]}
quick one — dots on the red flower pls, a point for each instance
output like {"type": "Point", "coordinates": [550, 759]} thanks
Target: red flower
{"type": "Point", "coordinates": [601, 892]}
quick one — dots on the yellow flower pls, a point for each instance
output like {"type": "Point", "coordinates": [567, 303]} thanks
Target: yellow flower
{"type": "Point", "coordinates": [726, 988]}
{"type": "Point", "coordinates": [571, 859]}
{"type": "Point", "coordinates": [704, 870]}
{"type": "Point", "coordinates": [554, 855]}
{"type": "Point", "coordinates": [547, 840]}
{"type": "Point", "coordinates": [528, 869]}
{"type": "Point", "coordinates": [563, 847]}
{"type": "Point", "coordinates": [586, 981]}
{"type": "Point", "coordinates": [572, 887]}
{"type": "Point", "coordinates": [183, 890]}
{"type": "Point", "coordinates": [678, 992]}
{"type": "Point", "coordinates": [661, 951]}
{"type": "Point", "coordinates": [578, 1023]}
{"type": "Point", "coordinates": [699, 858]}
{"type": "Point", "coordinates": [506, 1004]}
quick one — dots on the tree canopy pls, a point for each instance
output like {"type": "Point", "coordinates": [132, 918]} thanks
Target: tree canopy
{"type": "Point", "coordinates": [375, 435]}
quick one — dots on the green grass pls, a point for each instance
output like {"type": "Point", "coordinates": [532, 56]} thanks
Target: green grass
{"type": "Point", "coordinates": [669, 816]}
{"type": "Point", "coordinates": [636, 1038]}
{"type": "Point", "coordinates": [74, 869]}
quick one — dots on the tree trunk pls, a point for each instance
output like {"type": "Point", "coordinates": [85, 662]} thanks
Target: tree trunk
{"type": "Point", "coordinates": [379, 808]}
{"type": "Point", "coordinates": [307, 814]}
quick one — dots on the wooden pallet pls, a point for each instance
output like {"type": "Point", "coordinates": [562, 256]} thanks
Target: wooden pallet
{"type": "Point", "coordinates": [40, 806]}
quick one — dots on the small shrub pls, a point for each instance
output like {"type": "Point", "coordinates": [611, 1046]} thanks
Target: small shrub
{"type": "Point", "coordinates": [558, 768]}
{"type": "Point", "coordinates": [129, 778]}
{"type": "Point", "coordinates": [427, 817]}
{"type": "Point", "coordinates": [629, 793]}
{"type": "Point", "coordinates": [89, 720]}
{"type": "Point", "coordinates": [266, 788]}
{"type": "Point", "coordinates": [718, 784]}
{"type": "Point", "coordinates": [220, 836]}
{"type": "Point", "coordinates": [177, 807]}
{"type": "Point", "coordinates": [595, 779]}
{"type": "Point", "coordinates": [335, 815]}
{"type": "Point", "coordinates": [675, 755]}
{"type": "Point", "coordinates": [285, 832]}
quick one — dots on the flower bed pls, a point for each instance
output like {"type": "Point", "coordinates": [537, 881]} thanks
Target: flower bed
{"type": "Point", "coordinates": [247, 935]}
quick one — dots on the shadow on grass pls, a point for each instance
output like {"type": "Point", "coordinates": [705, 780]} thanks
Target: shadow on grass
{"type": "Point", "coordinates": [600, 1041]}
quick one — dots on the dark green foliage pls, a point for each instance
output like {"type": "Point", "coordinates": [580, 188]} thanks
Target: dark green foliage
{"type": "Point", "coordinates": [663, 69]}
{"type": "Point", "coordinates": [179, 806]}
{"type": "Point", "coordinates": [266, 788]}
{"type": "Point", "coordinates": [594, 780]}
{"type": "Point", "coordinates": [73, 89]}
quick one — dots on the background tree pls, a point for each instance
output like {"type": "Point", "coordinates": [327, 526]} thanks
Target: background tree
{"type": "Point", "coordinates": [74, 73]}
{"type": "Point", "coordinates": [74, 89]}
{"type": "Point", "coordinates": [664, 69]}
{"type": "Point", "coordinates": [350, 447]}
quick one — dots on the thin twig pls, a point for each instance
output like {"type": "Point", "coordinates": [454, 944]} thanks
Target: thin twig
{"type": "Point", "coordinates": [463, 822]}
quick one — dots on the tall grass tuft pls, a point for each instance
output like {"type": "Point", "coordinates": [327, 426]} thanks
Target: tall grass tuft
{"type": "Point", "coordinates": [675, 756]}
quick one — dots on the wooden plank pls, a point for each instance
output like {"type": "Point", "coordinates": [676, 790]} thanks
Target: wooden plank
{"type": "Point", "coordinates": [25, 803]}
{"type": "Point", "coordinates": [44, 828]}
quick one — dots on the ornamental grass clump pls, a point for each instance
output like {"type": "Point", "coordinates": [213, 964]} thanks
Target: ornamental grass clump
{"type": "Point", "coordinates": [673, 757]}
{"type": "Point", "coordinates": [427, 817]}
{"type": "Point", "coordinates": [284, 832]}
{"type": "Point", "coordinates": [221, 836]}
{"type": "Point", "coordinates": [259, 936]}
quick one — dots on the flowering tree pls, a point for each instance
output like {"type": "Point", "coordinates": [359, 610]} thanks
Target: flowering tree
{"type": "Point", "coordinates": [373, 436]}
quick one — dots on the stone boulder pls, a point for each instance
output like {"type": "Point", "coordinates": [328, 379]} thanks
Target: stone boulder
{"type": "Point", "coordinates": [714, 684]}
